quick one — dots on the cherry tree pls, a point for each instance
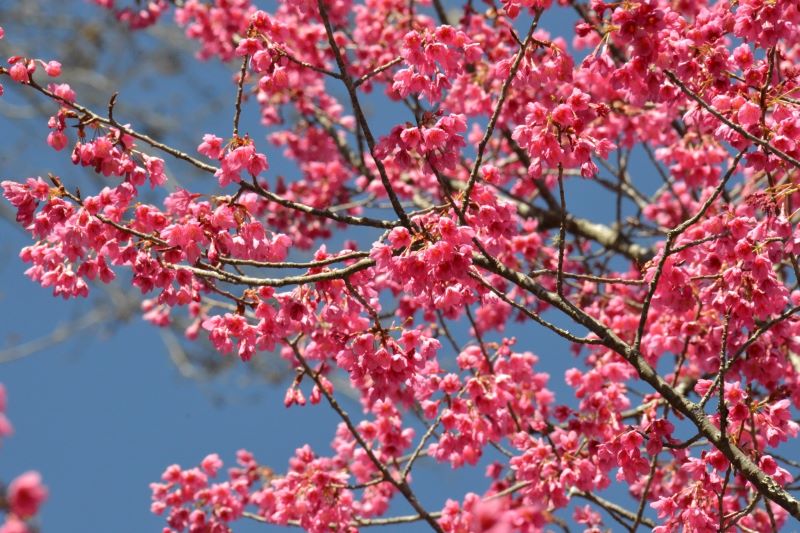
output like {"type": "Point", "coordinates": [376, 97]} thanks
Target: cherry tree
{"type": "Point", "coordinates": [428, 243]}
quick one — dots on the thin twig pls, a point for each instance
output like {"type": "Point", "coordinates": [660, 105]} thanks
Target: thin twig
{"type": "Point", "coordinates": [307, 65]}
{"type": "Point", "coordinates": [562, 233]}
{"type": "Point", "coordinates": [292, 264]}
{"type": "Point", "coordinates": [473, 175]}
{"type": "Point", "coordinates": [239, 94]}
{"type": "Point", "coordinates": [374, 72]}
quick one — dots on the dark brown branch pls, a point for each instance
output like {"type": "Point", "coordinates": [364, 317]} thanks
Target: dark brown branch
{"type": "Point", "coordinates": [291, 264]}
{"type": "Point", "coordinates": [239, 94]}
{"type": "Point", "coordinates": [307, 65]}
{"type": "Point", "coordinates": [374, 72]}
{"type": "Point", "coordinates": [341, 273]}
{"type": "Point", "coordinates": [91, 116]}
{"type": "Point", "coordinates": [535, 316]}
{"type": "Point", "coordinates": [562, 232]}
{"type": "Point", "coordinates": [645, 492]}
{"type": "Point", "coordinates": [324, 213]}
{"type": "Point", "coordinates": [587, 277]}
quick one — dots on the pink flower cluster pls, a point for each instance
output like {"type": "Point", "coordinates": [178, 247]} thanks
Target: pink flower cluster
{"type": "Point", "coordinates": [437, 270]}
{"type": "Point", "coordinates": [491, 514]}
{"type": "Point", "coordinates": [215, 25]}
{"type": "Point", "coordinates": [22, 68]}
{"type": "Point", "coordinates": [433, 59]}
{"type": "Point", "coordinates": [555, 137]}
{"type": "Point", "coordinates": [195, 504]}
{"type": "Point", "coordinates": [436, 144]}
{"type": "Point", "coordinates": [273, 324]}
{"type": "Point", "coordinates": [313, 493]}
{"type": "Point", "coordinates": [111, 154]}
{"type": "Point", "coordinates": [240, 155]}
{"type": "Point", "coordinates": [385, 368]}
{"type": "Point", "coordinates": [490, 405]}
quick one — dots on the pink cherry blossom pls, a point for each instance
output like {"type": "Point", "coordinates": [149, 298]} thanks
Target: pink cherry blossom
{"type": "Point", "coordinates": [26, 494]}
